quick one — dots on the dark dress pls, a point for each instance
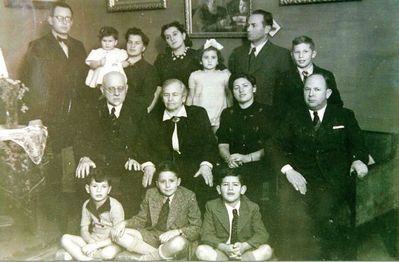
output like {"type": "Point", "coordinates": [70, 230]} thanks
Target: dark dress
{"type": "Point", "coordinates": [246, 131]}
{"type": "Point", "coordinates": [142, 79]}
{"type": "Point", "coordinates": [179, 68]}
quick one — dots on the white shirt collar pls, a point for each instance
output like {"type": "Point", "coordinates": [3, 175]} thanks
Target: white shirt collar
{"type": "Point", "coordinates": [117, 109]}
{"type": "Point", "coordinates": [182, 113]}
{"type": "Point", "coordinates": [230, 214]}
{"type": "Point", "coordinates": [257, 48]}
{"type": "Point", "coordinates": [320, 113]}
{"type": "Point", "coordinates": [309, 70]}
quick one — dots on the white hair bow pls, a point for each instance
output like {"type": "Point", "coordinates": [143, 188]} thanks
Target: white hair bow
{"type": "Point", "coordinates": [213, 43]}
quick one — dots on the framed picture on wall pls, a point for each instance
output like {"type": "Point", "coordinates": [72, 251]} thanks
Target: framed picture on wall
{"type": "Point", "coordinates": [217, 18]}
{"type": "Point", "coordinates": [300, 2]}
{"type": "Point", "coordinates": [130, 5]}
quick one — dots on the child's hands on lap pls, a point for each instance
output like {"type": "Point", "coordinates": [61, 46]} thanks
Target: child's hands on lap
{"type": "Point", "coordinates": [165, 237]}
{"type": "Point", "coordinates": [89, 249]}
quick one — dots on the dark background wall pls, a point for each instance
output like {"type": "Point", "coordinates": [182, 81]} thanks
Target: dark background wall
{"type": "Point", "coordinates": [357, 40]}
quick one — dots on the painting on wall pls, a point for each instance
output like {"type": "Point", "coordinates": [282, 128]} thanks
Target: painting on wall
{"type": "Point", "coordinates": [300, 2]}
{"type": "Point", "coordinates": [217, 18]}
{"type": "Point", "coordinates": [29, 3]}
{"type": "Point", "coordinates": [130, 5]}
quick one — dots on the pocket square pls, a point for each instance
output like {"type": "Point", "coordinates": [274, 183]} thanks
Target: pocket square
{"type": "Point", "coordinates": [338, 127]}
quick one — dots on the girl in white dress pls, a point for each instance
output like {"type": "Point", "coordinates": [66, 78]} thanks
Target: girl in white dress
{"type": "Point", "coordinates": [105, 59]}
{"type": "Point", "coordinates": [208, 87]}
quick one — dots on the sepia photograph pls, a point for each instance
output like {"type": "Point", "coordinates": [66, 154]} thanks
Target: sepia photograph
{"type": "Point", "coordinates": [199, 130]}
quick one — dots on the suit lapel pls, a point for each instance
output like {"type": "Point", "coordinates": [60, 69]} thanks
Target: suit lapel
{"type": "Point", "coordinates": [155, 205]}
{"type": "Point", "coordinates": [262, 57]}
{"type": "Point", "coordinates": [175, 207]}
{"type": "Point", "coordinates": [244, 214]}
{"type": "Point", "coordinates": [222, 216]}
{"type": "Point", "coordinates": [57, 49]}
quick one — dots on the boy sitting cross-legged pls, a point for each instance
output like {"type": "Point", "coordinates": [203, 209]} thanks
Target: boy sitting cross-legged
{"type": "Point", "coordinates": [168, 220]}
{"type": "Point", "coordinates": [100, 213]}
{"type": "Point", "coordinates": [232, 228]}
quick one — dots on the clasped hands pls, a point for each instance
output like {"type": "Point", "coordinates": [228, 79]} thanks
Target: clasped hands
{"type": "Point", "coordinates": [234, 250]}
{"type": "Point", "coordinates": [85, 163]}
{"type": "Point", "coordinates": [237, 160]}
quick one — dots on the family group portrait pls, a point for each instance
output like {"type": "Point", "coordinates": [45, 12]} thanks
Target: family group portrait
{"type": "Point", "coordinates": [199, 130]}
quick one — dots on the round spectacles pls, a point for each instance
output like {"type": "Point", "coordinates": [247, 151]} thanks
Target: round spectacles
{"type": "Point", "coordinates": [63, 19]}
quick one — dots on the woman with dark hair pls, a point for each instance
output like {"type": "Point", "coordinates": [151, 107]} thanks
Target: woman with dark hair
{"type": "Point", "coordinates": [244, 129]}
{"type": "Point", "coordinates": [179, 60]}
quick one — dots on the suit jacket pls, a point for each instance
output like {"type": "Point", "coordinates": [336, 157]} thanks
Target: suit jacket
{"type": "Point", "coordinates": [271, 61]}
{"type": "Point", "coordinates": [216, 226]}
{"type": "Point", "coordinates": [325, 154]}
{"type": "Point", "coordinates": [97, 139]}
{"type": "Point", "coordinates": [184, 212]}
{"type": "Point", "coordinates": [289, 92]}
{"type": "Point", "coordinates": [197, 142]}
{"type": "Point", "coordinates": [55, 84]}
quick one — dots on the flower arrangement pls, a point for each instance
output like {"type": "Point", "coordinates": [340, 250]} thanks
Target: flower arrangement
{"type": "Point", "coordinates": [11, 95]}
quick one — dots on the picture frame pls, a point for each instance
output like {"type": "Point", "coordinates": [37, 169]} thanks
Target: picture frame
{"type": "Point", "coordinates": [29, 3]}
{"type": "Point", "coordinates": [132, 5]}
{"type": "Point", "coordinates": [301, 2]}
{"type": "Point", "coordinates": [226, 19]}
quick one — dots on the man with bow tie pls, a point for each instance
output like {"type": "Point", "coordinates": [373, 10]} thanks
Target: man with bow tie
{"type": "Point", "coordinates": [107, 138]}
{"type": "Point", "coordinates": [54, 71]}
{"type": "Point", "coordinates": [320, 151]}
{"type": "Point", "coordinates": [181, 134]}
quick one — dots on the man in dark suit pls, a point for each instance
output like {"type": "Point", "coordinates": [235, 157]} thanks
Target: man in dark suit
{"type": "Point", "coordinates": [181, 134]}
{"type": "Point", "coordinates": [107, 137]}
{"type": "Point", "coordinates": [319, 147]}
{"type": "Point", "coordinates": [54, 72]}
{"type": "Point", "coordinates": [261, 58]}
{"type": "Point", "coordinates": [289, 91]}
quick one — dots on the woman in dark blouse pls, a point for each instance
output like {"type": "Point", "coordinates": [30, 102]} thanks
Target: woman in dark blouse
{"type": "Point", "coordinates": [244, 129]}
{"type": "Point", "coordinates": [179, 60]}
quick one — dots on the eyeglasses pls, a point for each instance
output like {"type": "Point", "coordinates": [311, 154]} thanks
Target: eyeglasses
{"type": "Point", "coordinates": [115, 89]}
{"type": "Point", "coordinates": [63, 19]}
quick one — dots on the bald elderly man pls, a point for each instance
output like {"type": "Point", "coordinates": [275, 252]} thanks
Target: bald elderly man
{"type": "Point", "coordinates": [321, 151]}
{"type": "Point", "coordinates": [107, 139]}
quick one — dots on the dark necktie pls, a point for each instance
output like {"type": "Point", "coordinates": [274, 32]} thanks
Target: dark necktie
{"type": "Point", "coordinates": [114, 121]}
{"type": "Point", "coordinates": [163, 216]}
{"type": "Point", "coordinates": [251, 59]}
{"type": "Point", "coordinates": [316, 121]}
{"type": "Point", "coordinates": [234, 227]}
{"type": "Point", "coordinates": [305, 75]}
{"type": "Point", "coordinates": [62, 40]}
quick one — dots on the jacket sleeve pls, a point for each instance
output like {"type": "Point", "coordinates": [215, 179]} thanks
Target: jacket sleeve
{"type": "Point", "coordinates": [192, 230]}
{"type": "Point", "coordinates": [356, 141]}
{"type": "Point", "coordinates": [208, 230]}
{"type": "Point", "coordinates": [260, 235]}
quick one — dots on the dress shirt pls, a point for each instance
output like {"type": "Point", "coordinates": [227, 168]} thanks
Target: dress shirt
{"type": "Point", "coordinates": [320, 113]}
{"type": "Point", "coordinates": [257, 48]}
{"type": "Point", "coordinates": [309, 70]}
{"type": "Point", "coordinates": [62, 44]}
{"type": "Point", "coordinates": [230, 213]}
{"type": "Point", "coordinates": [117, 109]}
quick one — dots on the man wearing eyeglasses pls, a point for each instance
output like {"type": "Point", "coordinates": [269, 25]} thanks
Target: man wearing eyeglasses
{"type": "Point", "coordinates": [106, 138]}
{"type": "Point", "coordinates": [54, 71]}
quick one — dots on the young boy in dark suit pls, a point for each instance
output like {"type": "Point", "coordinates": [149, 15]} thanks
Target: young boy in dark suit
{"type": "Point", "coordinates": [289, 92]}
{"type": "Point", "coordinates": [168, 221]}
{"type": "Point", "coordinates": [233, 227]}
